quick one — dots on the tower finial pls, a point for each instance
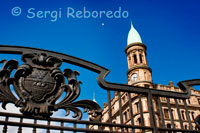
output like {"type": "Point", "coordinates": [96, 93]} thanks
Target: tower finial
{"type": "Point", "coordinates": [133, 36]}
{"type": "Point", "coordinates": [131, 24]}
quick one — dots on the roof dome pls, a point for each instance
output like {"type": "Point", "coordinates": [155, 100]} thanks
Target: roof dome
{"type": "Point", "coordinates": [133, 36]}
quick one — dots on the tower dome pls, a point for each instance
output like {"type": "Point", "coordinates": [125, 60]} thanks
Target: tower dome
{"type": "Point", "coordinates": [133, 36]}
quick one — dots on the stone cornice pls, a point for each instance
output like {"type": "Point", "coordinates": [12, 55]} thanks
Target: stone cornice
{"type": "Point", "coordinates": [135, 44]}
{"type": "Point", "coordinates": [139, 67]}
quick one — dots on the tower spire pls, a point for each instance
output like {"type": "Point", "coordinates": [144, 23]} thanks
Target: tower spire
{"type": "Point", "coordinates": [131, 24]}
{"type": "Point", "coordinates": [133, 36]}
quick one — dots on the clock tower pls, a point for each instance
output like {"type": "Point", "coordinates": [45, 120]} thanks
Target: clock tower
{"type": "Point", "coordinates": [139, 73]}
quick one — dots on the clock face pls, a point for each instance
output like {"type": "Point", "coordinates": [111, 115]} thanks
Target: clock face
{"type": "Point", "coordinates": [134, 77]}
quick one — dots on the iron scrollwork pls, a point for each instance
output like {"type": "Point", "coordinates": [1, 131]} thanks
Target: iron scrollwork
{"type": "Point", "coordinates": [39, 83]}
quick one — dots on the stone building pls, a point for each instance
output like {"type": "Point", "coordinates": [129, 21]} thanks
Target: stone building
{"type": "Point", "coordinates": [139, 74]}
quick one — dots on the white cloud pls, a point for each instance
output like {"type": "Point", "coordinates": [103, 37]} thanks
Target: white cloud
{"type": "Point", "coordinates": [10, 108]}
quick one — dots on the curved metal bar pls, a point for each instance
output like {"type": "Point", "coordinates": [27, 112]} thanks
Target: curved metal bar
{"type": "Point", "coordinates": [66, 58]}
{"type": "Point", "coordinates": [103, 72]}
{"type": "Point", "coordinates": [184, 85]}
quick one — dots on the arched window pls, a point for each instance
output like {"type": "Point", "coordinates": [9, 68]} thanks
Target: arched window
{"type": "Point", "coordinates": [137, 107]}
{"type": "Point", "coordinates": [125, 116]}
{"type": "Point", "coordinates": [141, 58]}
{"type": "Point", "coordinates": [129, 114]}
{"type": "Point", "coordinates": [168, 125]}
{"type": "Point", "coordinates": [185, 126]}
{"type": "Point", "coordinates": [135, 58]}
{"type": "Point", "coordinates": [172, 113]}
{"type": "Point", "coordinates": [139, 121]}
{"type": "Point", "coordinates": [193, 116]}
{"type": "Point", "coordinates": [183, 114]}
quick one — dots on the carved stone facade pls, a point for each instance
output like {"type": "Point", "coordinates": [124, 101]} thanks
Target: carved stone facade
{"type": "Point", "coordinates": [193, 107]}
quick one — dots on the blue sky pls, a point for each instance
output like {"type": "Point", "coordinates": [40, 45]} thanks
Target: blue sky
{"type": "Point", "coordinates": [170, 29]}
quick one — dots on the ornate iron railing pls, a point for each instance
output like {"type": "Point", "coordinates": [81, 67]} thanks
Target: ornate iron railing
{"type": "Point", "coordinates": [39, 82]}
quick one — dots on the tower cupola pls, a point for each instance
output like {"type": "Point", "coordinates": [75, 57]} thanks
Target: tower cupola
{"type": "Point", "coordinates": [133, 36]}
{"type": "Point", "coordinates": [139, 73]}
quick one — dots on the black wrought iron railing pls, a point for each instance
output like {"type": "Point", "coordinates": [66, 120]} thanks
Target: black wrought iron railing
{"type": "Point", "coordinates": [39, 82]}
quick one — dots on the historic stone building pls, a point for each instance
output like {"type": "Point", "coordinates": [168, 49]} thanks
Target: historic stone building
{"type": "Point", "coordinates": [139, 74]}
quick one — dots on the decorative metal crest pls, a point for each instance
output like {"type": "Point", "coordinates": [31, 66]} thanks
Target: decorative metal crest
{"type": "Point", "coordinates": [39, 83]}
